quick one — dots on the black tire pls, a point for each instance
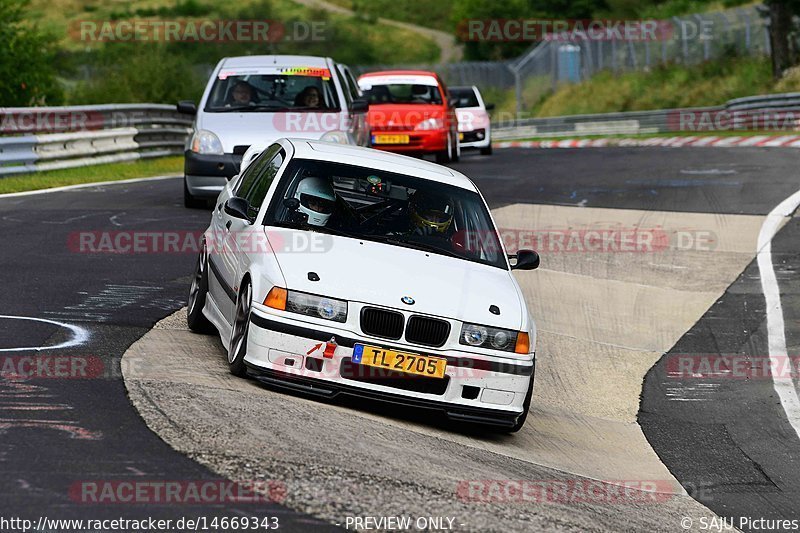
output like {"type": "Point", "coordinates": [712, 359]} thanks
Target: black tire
{"type": "Point", "coordinates": [189, 201]}
{"type": "Point", "coordinates": [237, 348]}
{"type": "Point", "coordinates": [487, 150]}
{"type": "Point", "coordinates": [198, 291]}
{"type": "Point", "coordinates": [526, 405]}
{"type": "Point", "coordinates": [456, 149]}
{"type": "Point", "coordinates": [446, 155]}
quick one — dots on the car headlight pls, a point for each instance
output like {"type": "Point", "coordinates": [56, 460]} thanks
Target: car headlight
{"type": "Point", "coordinates": [205, 142]}
{"type": "Point", "coordinates": [430, 124]}
{"type": "Point", "coordinates": [317, 306]}
{"type": "Point", "coordinates": [336, 136]}
{"type": "Point", "coordinates": [505, 340]}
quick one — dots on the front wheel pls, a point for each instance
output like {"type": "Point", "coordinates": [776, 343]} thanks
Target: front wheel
{"type": "Point", "coordinates": [446, 155]}
{"type": "Point", "coordinates": [189, 201]}
{"type": "Point", "coordinates": [237, 348]}
{"type": "Point", "coordinates": [487, 150]}
{"type": "Point", "coordinates": [526, 405]}
{"type": "Point", "coordinates": [198, 291]}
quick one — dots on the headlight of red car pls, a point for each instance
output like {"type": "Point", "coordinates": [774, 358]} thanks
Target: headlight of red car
{"type": "Point", "coordinates": [430, 124]}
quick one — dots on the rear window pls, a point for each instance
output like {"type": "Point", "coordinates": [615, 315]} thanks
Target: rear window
{"type": "Point", "coordinates": [465, 97]}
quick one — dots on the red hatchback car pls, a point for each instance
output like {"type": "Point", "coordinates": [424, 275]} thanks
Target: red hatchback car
{"type": "Point", "coordinates": [411, 112]}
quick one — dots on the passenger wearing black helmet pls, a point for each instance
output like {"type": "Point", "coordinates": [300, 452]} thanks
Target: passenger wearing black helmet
{"type": "Point", "coordinates": [430, 213]}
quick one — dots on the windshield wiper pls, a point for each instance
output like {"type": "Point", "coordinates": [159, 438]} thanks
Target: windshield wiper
{"type": "Point", "coordinates": [249, 108]}
{"type": "Point", "coordinates": [308, 227]}
{"type": "Point", "coordinates": [405, 243]}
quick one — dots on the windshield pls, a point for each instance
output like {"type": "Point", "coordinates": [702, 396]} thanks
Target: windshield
{"type": "Point", "coordinates": [403, 93]}
{"type": "Point", "coordinates": [464, 97]}
{"type": "Point", "coordinates": [278, 89]}
{"type": "Point", "coordinates": [376, 205]}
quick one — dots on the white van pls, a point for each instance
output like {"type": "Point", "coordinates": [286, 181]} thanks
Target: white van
{"type": "Point", "coordinates": [255, 100]}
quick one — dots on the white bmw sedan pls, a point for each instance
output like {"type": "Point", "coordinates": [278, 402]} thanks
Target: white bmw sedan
{"type": "Point", "coordinates": [338, 270]}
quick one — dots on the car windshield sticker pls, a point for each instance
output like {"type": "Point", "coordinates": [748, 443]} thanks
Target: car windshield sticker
{"type": "Point", "coordinates": [315, 72]}
{"type": "Point", "coordinates": [323, 73]}
{"type": "Point", "coordinates": [224, 74]}
{"type": "Point", "coordinates": [367, 83]}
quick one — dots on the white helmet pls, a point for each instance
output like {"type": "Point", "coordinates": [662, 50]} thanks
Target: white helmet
{"type": "Point", "coordinates": [317, 200]}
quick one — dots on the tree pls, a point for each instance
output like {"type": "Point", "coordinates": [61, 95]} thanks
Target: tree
{"type": "Point", "coordinates": [780, 34]}
{"type": "Point", "coordinates": [500, 10]}
{"type": "Point", "coordinates": [26, 63]}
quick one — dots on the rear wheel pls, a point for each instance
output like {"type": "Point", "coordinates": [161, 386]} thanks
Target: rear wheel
{"type": "Point", "coordinates": [198, 291]}
{"type": "Point", "coordinates": [190, 201]}
{"type": "Point", "coordinates": [241, 328]}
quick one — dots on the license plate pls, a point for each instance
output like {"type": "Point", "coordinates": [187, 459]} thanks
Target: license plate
{"type": "Point", "coordinates": [421, 365]}
{"type": "Point", "coordinates": [390, 139]}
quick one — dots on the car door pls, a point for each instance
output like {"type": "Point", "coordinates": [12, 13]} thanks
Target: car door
{"type": "Point", "coordinates": [246, 239]}
{"type": "Point", "coordinates": [238, 236]}
{"type": "Point", "coordinates": [360, 128]}
{"type": "Point", "coordinates": [451, 121]}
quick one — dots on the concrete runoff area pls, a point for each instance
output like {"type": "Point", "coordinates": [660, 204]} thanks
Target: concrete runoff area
{"type": "Point", "coordinates": [604, 319]}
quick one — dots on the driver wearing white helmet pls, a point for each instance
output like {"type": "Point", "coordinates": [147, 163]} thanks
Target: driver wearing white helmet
{"type": "Point", "coordinates": [317, 200]}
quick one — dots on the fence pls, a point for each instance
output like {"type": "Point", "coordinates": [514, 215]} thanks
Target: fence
{"type": "Point", "coordinates": [571, 58]}
{"type": "Point", "coordinates": [47, 138]}
{"type": "Point", "coordinates": [778, 112]}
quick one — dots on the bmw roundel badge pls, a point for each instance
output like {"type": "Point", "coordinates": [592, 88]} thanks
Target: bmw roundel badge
{"type": "Point", "coordinates": [408, 300]}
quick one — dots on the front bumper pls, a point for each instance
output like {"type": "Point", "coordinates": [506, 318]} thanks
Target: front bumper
{"type": "Point", "coordinates": [282, 353]}
{"type": "Point", "coordinates": [478, 138]}
{"type": "Point", "coordinates": [206, 174]}
{"type": "Point", "coordinates": [419, 142]}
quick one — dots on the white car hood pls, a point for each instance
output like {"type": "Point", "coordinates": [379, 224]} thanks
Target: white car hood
{"type": "Point", "coordinates": [244, 129]}
{"type": "Point", "coordinates": [382, 274]}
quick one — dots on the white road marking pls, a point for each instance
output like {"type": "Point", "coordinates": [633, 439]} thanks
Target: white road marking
{"type": "Point", "coordinates": [85, 185]}
{"type": "Point", "coordinates": [784, 385]}
{"type": "Point", "coordinates": [79, 335]}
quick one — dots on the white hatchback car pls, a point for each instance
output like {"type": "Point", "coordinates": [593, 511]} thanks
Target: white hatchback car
{"type": "Point", "coordinates": [339, 270]}
{"type": "Point", "coordinates": [254, 100]}
{"type": "Point", "coordinates": [474, 123]}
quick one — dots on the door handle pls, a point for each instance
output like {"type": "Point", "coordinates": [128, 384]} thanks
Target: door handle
{"type": "Point", "coordinates": [228, 225]}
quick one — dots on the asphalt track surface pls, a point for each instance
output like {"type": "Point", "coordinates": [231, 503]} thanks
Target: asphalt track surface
{"type": "Point", "coordinates": [738, 455]}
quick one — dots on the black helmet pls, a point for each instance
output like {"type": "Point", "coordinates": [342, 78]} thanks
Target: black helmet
{"type": "Point", "coordinates": [431, 211]}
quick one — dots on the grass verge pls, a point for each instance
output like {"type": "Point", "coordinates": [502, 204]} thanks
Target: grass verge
{"type": "Point", "coordinates": [91, 174]}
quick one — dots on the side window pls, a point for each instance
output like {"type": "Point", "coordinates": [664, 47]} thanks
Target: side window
{"type": "Point", "coordinates": [354, 90]}
{"type": "Point", "coordinates": [252, 172]}
{"type": "Point", "coordinates": [255, 196]}
{"type": "Point", "coordinates": [344, 85]}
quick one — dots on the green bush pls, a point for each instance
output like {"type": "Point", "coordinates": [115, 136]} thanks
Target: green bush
{"type": "Point", "coordinates": [709, 83]}
{"type": "Point", "coordinates": [26, 73]}
{"type": "Point", "coordinates": [138, 73]}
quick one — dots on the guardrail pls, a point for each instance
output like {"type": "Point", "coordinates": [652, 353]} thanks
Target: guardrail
{"type": "Point", "coordinates": [779, 112]}
{"type": "Point", "coordinates": [34, 139]}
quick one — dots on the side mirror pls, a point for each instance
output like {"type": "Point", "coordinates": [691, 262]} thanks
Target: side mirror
{"type": "Point", "coordinates": [489, 107]}
{"type": "Point", "coordinates": [238, 208]}
{"type": "Point", "coordinates": [526, 260]}
{"type": "Point", "coordinates": [359, 106]}
{"type": "Point", "coordinates": [187, 107]}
